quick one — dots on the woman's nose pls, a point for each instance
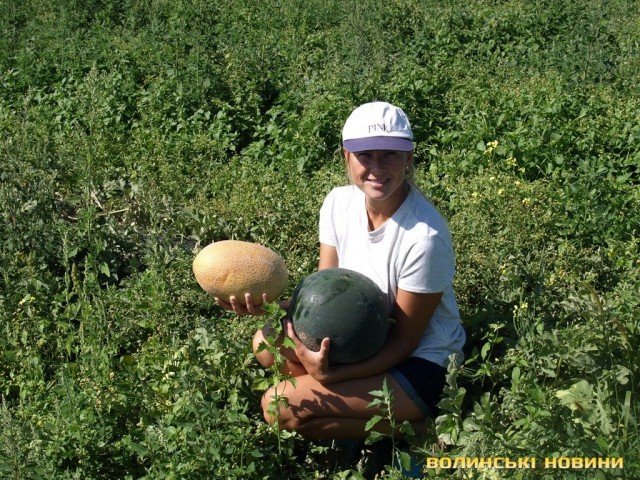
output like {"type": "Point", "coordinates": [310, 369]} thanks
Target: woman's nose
{"type": "Point", "coordinates": [376, 161]}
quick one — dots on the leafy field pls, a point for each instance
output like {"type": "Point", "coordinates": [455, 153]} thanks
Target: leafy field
{"type": "Point", "coordinates": [132, 133]}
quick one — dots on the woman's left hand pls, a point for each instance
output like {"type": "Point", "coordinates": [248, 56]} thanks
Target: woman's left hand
{"type": "Point", "coordinates": [315, 363]}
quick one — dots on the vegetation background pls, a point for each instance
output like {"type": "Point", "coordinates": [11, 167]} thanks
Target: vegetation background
{"type": "Point", "coordinates": [135, 132]}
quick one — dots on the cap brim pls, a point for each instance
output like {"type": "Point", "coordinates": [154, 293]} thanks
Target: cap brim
{"type": "Point", "coordinates": [378, 143]}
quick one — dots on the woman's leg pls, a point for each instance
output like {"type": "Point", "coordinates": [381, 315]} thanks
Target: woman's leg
{"type": "Point", "coordinates": [265, 357]}
{"type": "Point", "coordinates": [340, 410]}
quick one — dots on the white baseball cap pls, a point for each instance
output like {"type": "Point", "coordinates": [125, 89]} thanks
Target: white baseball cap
{"type": "Point", "coordinates": [377, 126]}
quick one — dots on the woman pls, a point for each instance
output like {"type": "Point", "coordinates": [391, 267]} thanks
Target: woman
{"type": "Point", "coordinates": [383, 227]}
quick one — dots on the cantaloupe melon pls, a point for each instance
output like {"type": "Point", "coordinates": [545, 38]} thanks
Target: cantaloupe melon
{"type": "Point", "coordinates": [233, 268]}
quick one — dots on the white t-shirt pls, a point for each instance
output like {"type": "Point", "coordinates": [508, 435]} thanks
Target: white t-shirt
{"type": "Point", "coordinates": [412, 251]}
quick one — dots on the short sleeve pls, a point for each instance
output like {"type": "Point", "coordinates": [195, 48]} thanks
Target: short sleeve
{"type": "Point", "coordinates": [327, 229]}
{"type": "Point", "coordinates": [429, 267]}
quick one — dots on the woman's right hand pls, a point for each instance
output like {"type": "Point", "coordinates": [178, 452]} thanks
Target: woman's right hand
{"type": "Point", "coordinates": [248, 308]}
{"type": "Point", "coordinates": [316, 364]}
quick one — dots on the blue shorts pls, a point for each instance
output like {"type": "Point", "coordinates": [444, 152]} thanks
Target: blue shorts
{"type": "Point", "coordinates": [423, 381]}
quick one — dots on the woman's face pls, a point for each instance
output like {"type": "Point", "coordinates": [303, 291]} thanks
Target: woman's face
{"type": "Point", "coordinates": [378, 173]}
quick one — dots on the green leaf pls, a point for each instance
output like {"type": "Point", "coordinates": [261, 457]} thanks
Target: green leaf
{"type": "Point", "coordinates": [372, 422]}
{"type": "Point", "coordinates": [260, 384]}
{"type": "Point", "coordinates": [405, 460]}
{"type": "Point", "coordinates": [140, 450]}
{"type": "Point", "coordinates": [407, 429]}
{"type": "Point", "coordinates": [485, 350]}
{"type": "Point", "coordinates": [287, 342]}
{"type": "Point", "coordinates": [578, 397]}
{"type": "Point", "coordinates": [373, 437]}
{"type": "Point", "coordinates": [273, 309]}
{"type": "Point", "coordinates": [623, 374]}
{"type": "Point", "coordinates": [255, 453]}
{"type": "Point", "coordinates": [470, 425]}
{"type": "Point", "coordinates": [104, 269]}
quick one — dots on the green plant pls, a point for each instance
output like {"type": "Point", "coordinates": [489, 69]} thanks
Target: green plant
{"type": "Point", "coordinates": [383, 401]}
{"type": "Point", "coordinates": [273, 345]}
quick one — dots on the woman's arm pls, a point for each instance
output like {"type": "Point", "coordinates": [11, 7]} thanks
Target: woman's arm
{"type": "Point", "coordinates": [328, 257]}
{"type": "Point", "coordinates": [411, 316]}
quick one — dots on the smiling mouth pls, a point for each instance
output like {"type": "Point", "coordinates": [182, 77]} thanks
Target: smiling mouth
{"type": "Point", "coordinates": [377, 181]}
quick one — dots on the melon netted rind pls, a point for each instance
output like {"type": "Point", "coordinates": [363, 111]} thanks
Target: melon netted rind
{"type": "Point", "coordinates": [344, 305]}
{"type": "Point", "coordinates": [233, 268]}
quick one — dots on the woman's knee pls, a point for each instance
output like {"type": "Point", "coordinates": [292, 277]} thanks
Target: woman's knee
{"type": "Point", "coordinates": [276, 409]}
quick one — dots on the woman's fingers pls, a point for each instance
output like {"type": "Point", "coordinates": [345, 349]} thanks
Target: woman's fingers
{"type": "Point", "coordinates": [322, 354]}
{"type": "Point", "coordinates": [291, 333]}
{"type": "Point", "coordinates": [248, 308]}
{"type": "Point", "coordinates": [248, 301]}
{"type": "Point", "coordinates": [316, 364]}
{"type": "Point", "coordinates": [235, 306]}
{"type": "Point", "coordinates": [222, 303]}
{"type": "Point", "coordinates": [251, 308]}
{"type": "Point", "coordinates": [324, 347]}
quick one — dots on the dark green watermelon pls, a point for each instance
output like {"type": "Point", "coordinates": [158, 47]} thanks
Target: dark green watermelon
{"type": "Point", "coordinates": [344, 305]}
